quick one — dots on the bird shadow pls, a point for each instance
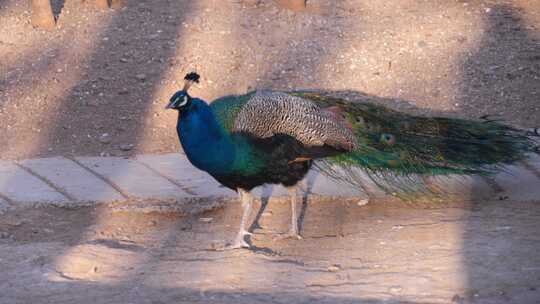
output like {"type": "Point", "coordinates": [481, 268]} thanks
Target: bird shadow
{"type": "Point", "coordinates": [265, 198]}
{"type": "Point", "coordinates": [267, 192]}
{"type": "Point", "coordinates": [310, 182]}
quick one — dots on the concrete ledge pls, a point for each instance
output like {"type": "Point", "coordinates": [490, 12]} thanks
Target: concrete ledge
{"type": "Point", "coordinates": [169, 183]}
{"type": "Point", "coordinates": [132, 178]}
{"type": "Point", "coordinates": [22, 187]}
{"type": "Point", "coordinates": [79, 183]}
{"type": "Point", "coordinates": [176, 167]}
{"type": "Point", "coordinates": [464, 187]}
{"type": "Point", "coordinates": [534, 163]}
{"type": "Point", "coordinates": [519, 184]}
{"type": "Point", "coordinates": [4, 205]}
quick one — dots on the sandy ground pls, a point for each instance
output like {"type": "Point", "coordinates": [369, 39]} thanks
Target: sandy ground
{"type": "Point", "coordinates": [97, 84]}
{"type": "Point", "coordinates": [379, 253]}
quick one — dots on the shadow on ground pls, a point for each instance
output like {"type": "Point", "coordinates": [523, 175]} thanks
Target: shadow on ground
{"type": "Point", "coordinates": [499, 77]}
{"type": "Point", "coordinates": [502, 75]}
{"type": "Point", "coordinates": [127, 266]}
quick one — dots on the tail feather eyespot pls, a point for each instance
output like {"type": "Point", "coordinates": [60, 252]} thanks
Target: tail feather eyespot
{"type": "Point", "coordinates": [388, 139]}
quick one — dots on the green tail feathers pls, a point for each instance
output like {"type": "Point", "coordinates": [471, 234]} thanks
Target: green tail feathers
{"type": "Point", "coordinates": [393, 146]}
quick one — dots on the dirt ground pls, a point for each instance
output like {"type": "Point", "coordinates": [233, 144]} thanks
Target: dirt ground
{"type": "Point", "coordinates": [97, 84]}
{"type": "Point", "coordinates": [378, 253]}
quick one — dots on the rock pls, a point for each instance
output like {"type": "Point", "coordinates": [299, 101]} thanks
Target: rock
{"type": "Point", "coordinates": [105, 138]}
{"type": "Point", "coordinates": [334, 268]}
{"type": "Point", "coordinates": [186, 227]}
{"type": "Point", "coordinates": [218, 245]}
{"type": "Point", "coordinates": [141, 77]}
{"type": "Point", "coordinates": [126, 147]}
{"type": "Point", "coordinates": [395, 289]}
{"type": "Point", "coordinates": [123, 91]}
{"type": "Point", "coordinates": [363, 202]}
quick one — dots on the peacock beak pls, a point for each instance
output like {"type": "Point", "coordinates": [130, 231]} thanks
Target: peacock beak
{"type": "Point", "coordinates": [170, 105]}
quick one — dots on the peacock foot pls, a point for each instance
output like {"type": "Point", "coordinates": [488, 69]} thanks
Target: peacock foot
{"type": "Point", "coordinates": [238, 245]}
{"type": "Point", "coordinates": [292, 234]}
{"type": "Point", "coordinates": [240, 241]}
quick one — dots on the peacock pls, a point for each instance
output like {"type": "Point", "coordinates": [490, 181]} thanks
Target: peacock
{"type": "Point", "coordinates": [272, 137]}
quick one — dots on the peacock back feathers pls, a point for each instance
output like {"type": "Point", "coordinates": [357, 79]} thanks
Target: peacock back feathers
{"type": "Point", "coordinates": [226, 109]}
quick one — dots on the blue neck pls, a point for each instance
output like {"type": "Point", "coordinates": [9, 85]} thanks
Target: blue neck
{"type": "Point", "coordinates": [206, 144]}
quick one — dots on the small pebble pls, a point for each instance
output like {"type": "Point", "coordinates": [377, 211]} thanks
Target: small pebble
{"type": "Point", "coordinates": [141, 77]}
{"type": "Point", "coordinates": [363, 202]}
{"type": "Point", "coordinates": [206, 219]}
{"type": "Point", "coordinates": [334, 268]}
{"type": "Point", "coordinates": [126, 147]}
{"type": "Point", "coordinates": [395, 289]}
{"type": "Point", "coordinates": [105, 138]}
{"type": "Point", "coordinates": [421, 44]}
{"type": "Point", "coordinates": [218, 245]}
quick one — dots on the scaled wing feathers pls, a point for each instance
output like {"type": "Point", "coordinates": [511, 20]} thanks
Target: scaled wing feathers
{"type": "Point", "coordinates": [269, 113]}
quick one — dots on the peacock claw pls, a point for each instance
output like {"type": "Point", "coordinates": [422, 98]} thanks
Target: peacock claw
{"type": "Point", "coordinates": [289, 235]}
{"type": "Point", "coordinates": [238, 244]}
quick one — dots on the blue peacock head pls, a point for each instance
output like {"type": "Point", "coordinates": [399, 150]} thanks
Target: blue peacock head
{"type": "Point", "coordinates": [181, 99]}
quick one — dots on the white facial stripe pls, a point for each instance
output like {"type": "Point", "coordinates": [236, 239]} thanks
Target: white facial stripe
{"type": "Point", "coordinates": [183, 102]}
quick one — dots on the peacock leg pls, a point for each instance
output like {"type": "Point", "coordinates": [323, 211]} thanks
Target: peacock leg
{"type": "Point", "coordinates": [293, 231]}
{"type": "Point", "coordinates": [247, 201]}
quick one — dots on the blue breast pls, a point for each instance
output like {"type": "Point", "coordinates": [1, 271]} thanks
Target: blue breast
{"type": "Point", "coordinates": [207, 146]}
